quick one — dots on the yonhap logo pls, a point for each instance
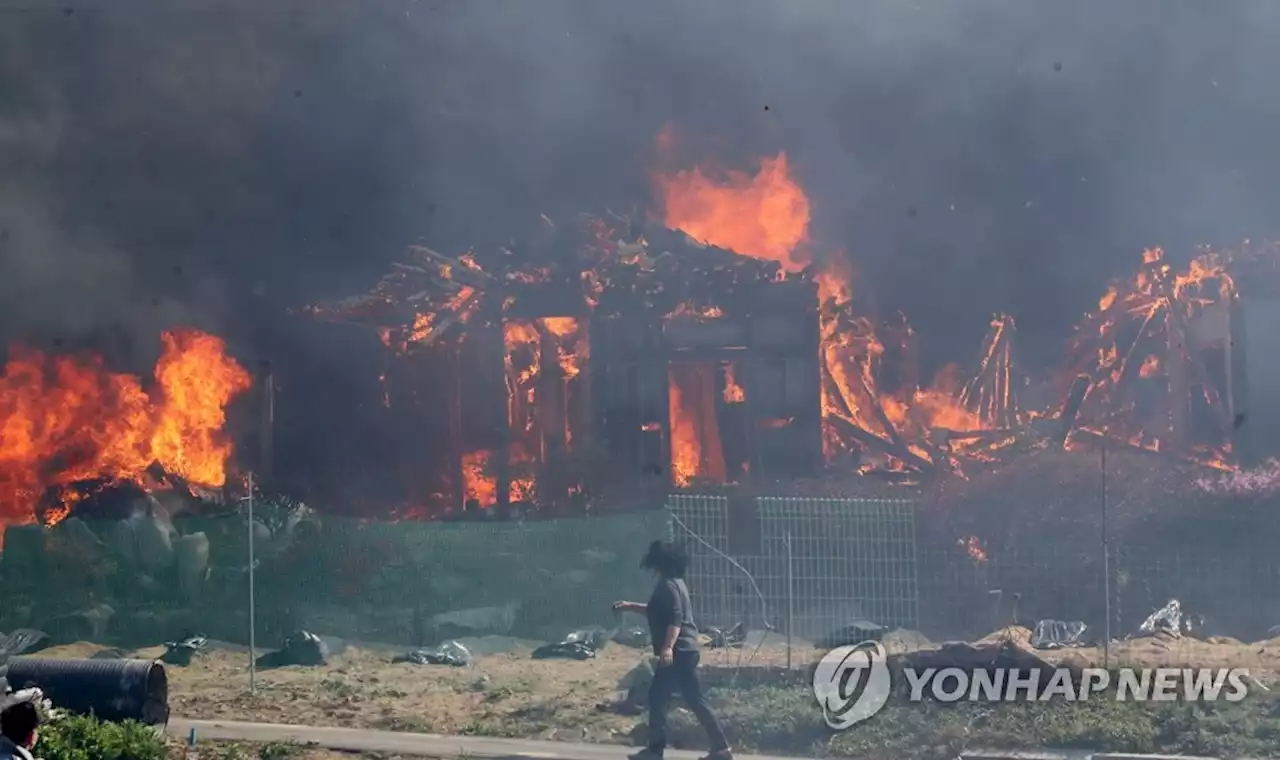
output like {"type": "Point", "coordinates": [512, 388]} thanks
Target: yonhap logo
{"type": "Point", "coordinates": [852, 684]}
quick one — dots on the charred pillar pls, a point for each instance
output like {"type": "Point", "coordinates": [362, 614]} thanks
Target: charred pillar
{"type": "Point", "coordinates": [630, 394]}
{"type": "Point", "coordinates": [716, 387]}
{"type": "Point", "coordinates": [784, 387]}
{"type": "Point", "coordinates": [546, 333]}
{"type": "Point", "coordinates": [457, 477]}
{"type": "Point", "coordinates": [502, 462]}
{"type": "Point", "coordinates": [1257, 413]}
{"type": "Point", "coordinates": [1179, 400]}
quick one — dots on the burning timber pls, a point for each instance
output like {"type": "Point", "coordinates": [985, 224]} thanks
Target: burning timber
{"type": "Point", "coordinates": [627, 352]}
{"type": "Point", "coordinates": [619, 351]}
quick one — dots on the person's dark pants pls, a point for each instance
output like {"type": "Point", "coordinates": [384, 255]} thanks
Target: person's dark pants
{"type": "Point", "coordinates": [680, 677]}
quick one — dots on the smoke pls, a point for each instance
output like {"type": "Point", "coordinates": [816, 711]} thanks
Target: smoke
{"type": "Point", "coordinates": [215, 163]}
{"type": "Point", "coordinates": [969, 156]}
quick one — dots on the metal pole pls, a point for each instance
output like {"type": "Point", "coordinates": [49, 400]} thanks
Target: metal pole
{"type": "Point", "coordinates": [1106, 568]}
{"type": "Point", "coordinates": [790, 597]}
{"type": "Point", "coordinates": [253, 685]}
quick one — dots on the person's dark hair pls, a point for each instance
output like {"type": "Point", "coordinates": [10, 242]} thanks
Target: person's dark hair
{"type": "Point", "coordinates": [667, 558]}
{"type": "Point", "coordinates": [19, 721]}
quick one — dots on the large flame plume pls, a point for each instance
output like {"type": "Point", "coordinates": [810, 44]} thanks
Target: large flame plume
{"type": "Point", "coordinates": [66, 419]}
{"type": "Point", "coordinates": [766, 216]}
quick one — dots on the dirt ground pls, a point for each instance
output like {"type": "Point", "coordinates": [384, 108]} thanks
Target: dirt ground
{"type": "Point", "coordinates": [1261, 658]}
{"type": "Point", "coordinates": [506, 694]}
{"type": "Point", "coordinates": [511, 694]}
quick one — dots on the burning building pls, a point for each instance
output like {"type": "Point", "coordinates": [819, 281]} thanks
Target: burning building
{"type": "Point", "coordinates": [660, 361]}
{"type": "Point", "coordinates": [705, 345]}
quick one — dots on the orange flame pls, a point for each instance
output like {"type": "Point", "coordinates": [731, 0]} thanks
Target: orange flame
{"type": "Point", "coordinates": [765, 216]}
{"type": "Point", "coordinates": [733, 393]}
{"type": "Point", "coordinates": [477, 484]}
{"type": "Point", "coordinates": [66, 419]}
{"type": "Point", "coordinates": [571, 344]}
{"type": "Point", "coordinates": [696, 448]}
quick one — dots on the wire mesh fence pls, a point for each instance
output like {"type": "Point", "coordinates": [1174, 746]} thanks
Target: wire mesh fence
{"type": "Point", "coordinates": [807, 569]}
{"type": "Point", "coordinates": [403, 583]}
{"type": "Point", "coordinates": [820, 567]}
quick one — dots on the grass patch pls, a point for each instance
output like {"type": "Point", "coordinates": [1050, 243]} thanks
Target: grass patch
{"type": "Point", "coordinates": [786, 720]}
{"type": "Point", "coordinates": [279, 751]}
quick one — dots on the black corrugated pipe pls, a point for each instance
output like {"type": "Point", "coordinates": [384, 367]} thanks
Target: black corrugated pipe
{"type": "Point", "coordinates": [110, 689]}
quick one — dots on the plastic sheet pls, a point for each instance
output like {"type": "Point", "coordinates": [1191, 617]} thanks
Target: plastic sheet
{"type": "Point", "coordinates": [300, 648]}
{"type": "Point", "coordinates": [33, 694]}
{"type": "Point", "coordinates": [181, 652]}
{"type": "Point", "coordinates": [1167, 619]}
{"type": "Point", "coordinates": [578, 645]}
{"type": "Point", "coordinates": [635, 637]}
{"type": "Point", "coordinates": [852, 634]}
{"type": "Point", "coordinates": [1057, 634]}
{"type": "Point", "coordinates": [22, 641]}
{"type": "Point", "coordinates": [450, 653]}
{"type": "Point", "coordinates": [726, 639]}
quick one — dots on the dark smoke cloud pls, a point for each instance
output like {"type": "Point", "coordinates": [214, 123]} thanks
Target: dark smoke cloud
{"type": "Point", "coordinates": [214, 163]}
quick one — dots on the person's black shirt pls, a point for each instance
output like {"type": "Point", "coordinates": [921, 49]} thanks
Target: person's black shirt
{"type": "Point", "coordinates": [670, 606]}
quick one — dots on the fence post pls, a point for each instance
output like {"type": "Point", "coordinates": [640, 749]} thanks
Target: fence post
{"type": "Point", "coordinates": [1106, 567]}
{"type": "Point", "coordinates": [790, 596]}
{"type": "Point", "coordinates": [253, 685]}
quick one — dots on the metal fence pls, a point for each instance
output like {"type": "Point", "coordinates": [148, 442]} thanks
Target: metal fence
{"type": "Point", "coordinates": [804, 567]}
{"type": "Point", "coordinates": [140, 581]}
{"type": "Point", "coordinates": [815, 567]}
{"type": "Point", "coordinates": [1237, 593]}
{"type": "Point", "coordinates": [810, 567]}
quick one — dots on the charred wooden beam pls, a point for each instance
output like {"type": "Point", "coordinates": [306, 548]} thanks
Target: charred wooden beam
{"type": "Point", "coordinates": [975, 435]}
{"type": "Point", "coordinates": [881, 418]}
{"type": "Point", "coordinates": [1094, 438]}
{"type": "Point", "coordinates": [875, 442]}
{"type": "Point", "coordinates": [1071, 408]}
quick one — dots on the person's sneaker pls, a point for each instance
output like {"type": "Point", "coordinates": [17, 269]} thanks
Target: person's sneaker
{"type": "Point", "coordinates": [720, 754]}
{"type": "Point", "coordinates": [645, 754]}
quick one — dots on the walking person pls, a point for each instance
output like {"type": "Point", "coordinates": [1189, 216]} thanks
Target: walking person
{"type": "Point", "coordinates": [675, 642]}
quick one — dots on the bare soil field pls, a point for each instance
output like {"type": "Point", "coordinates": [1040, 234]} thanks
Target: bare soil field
{"type": "Point", "coordinates": [510, 694]}
{"type": "Point", "coordinates": [763, 705]}
{"type": "Point", "coordinates": [500, 695]}
{"type": "Point", "coordinates": [1261, 658]}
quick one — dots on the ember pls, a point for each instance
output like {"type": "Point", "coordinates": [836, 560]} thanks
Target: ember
{"type": "Point", "coordinates": [67, 419]}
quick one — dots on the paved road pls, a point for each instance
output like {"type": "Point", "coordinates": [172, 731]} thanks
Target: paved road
{"type": "Point", "coordinates": [425, 745]}
{"type": "Point", "coordinates": [479, 748]}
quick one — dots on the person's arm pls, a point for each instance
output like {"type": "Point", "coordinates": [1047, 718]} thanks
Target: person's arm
{"type": "Point", "coordinates": [669, 643]}
{"type": "Point", "coordinates": [670, 601]}
{"type": "Point", "coordinates": [639, 607]}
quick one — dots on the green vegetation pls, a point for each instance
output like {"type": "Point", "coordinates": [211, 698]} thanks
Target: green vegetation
{"type": "Point", "coordinates": [85, 738]}
{"type": "Point", "coordinates": [785, 720]}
